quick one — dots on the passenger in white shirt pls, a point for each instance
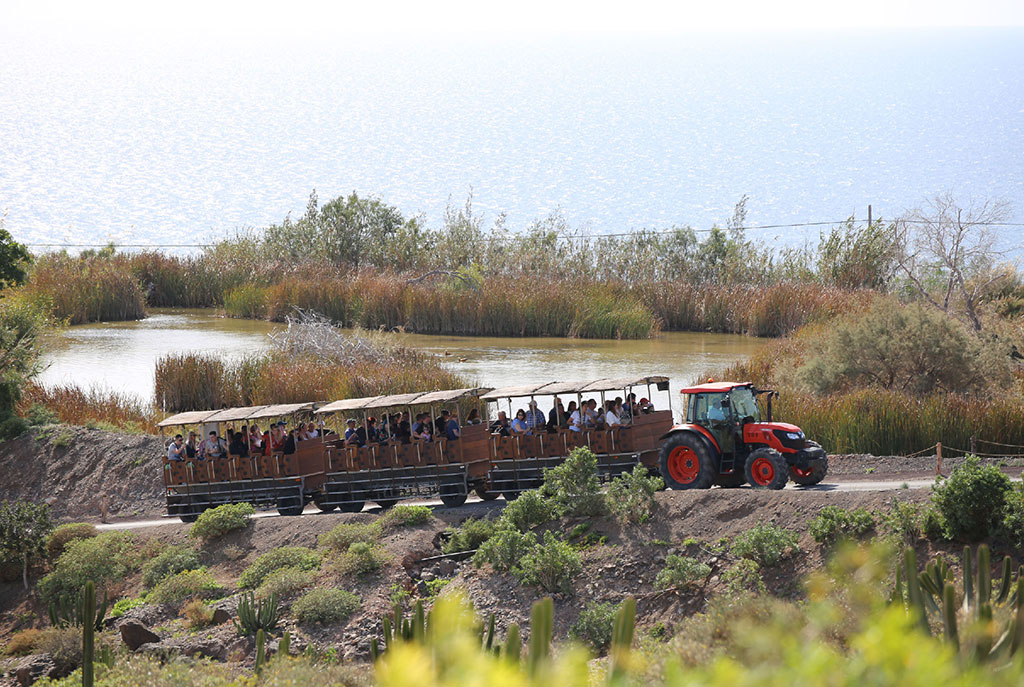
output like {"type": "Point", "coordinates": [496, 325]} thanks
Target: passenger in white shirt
{"type": "Point", "coordinates": [610, 418]}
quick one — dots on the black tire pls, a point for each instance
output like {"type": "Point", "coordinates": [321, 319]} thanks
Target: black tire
{"type": "Point", "coordinates": [387, 504]}
{"type": "Point", "coordinates": [188, 518]}
{"type": "Point", "coordinates": [290, 505]}
{"type": "Point", "coordinates": [486, 495]}
{"type": "Point", "coordinates": [814, 476]}
{"type": "Point", "coordinates": [686, 463]}
{"type": "Point", "coordinates": [318, 501]}
{"type": "Point", "coordinates": [453, 500]}
{"type": "Point", "coordinates": [766, 469]}
{"type": "Point", "coordinates": [732, 480]}
{"type": "Point", "coordinates": [352, 507]}
{"type": "Point", "coordinates": [511, 496]}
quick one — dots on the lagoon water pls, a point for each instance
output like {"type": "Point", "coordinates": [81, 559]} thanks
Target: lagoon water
{"type": "Point", "coordinates": [176, 142]}
{"type": "Point", "coordinates": [120, 356]}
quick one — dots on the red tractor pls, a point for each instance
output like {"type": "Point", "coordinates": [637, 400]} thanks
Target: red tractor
{"type": "Point", "coordinates": [724, 441]}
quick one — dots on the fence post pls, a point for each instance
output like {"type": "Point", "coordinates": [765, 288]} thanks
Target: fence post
{"type": "Point", "coordinates": [973, 450]}
{"type": "Point", "coordinates": [938, 458]}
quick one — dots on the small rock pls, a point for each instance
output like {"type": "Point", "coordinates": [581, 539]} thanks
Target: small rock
{"type": "Point", "coordinates": [428, 576]}
{"type": "Point", "coordinates": [135, 634]}
{"type": "Point", "coordinates": [446, 567]}
{"type": "Point", "coordinates": [422, 588]}
{"type": "Point", "coordinates": [31, 668]}
{"type": "Point", "coordinates": [221, 616]}
{"type": "Point", "coordinates": [210, 648]}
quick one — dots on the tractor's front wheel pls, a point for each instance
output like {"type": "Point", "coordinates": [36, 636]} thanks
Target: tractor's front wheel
{"type": "Point", "coordinates": [808, 477]}
{"type": "Point", "coordinates": [767, 469]}
{"type": "Point", "coordinates": [686, 463]}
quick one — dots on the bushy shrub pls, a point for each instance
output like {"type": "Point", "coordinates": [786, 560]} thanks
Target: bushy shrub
{"type": "Point", "coordinates": [285, 582]}
{"type": "Point", "coordinates": [218, 521]}
{"type": "Point", "coordinates": [343, 535]}
{"type": "Point", "coordinates": [594, 625]}
{"type": "Point", "coordinates": [64, 645]}
{"type": "Point", "coordinates": [932, 524]}
{"type": "Point", "coordinates": [38, 415]}
{"type": "Point", "coordinates": [1013, 518]}
{"type": "Point", "coordinates": [325, 606]}
{"type": "Point", "coordinates": [187, 584]}
{"type": "Point", "coordinates": [197, 614]}
{"type": "Point", "coordinates": [62, 534]}
{"type": "Point", "coordinates": [904, 520]}
{"type": "Point", "coordinates": [907, 347]}
{"type": "Point", "coordinates": [971, 500]}
{"type": "Point", "coordinates": [506, 548]}
{"type": "Point", "coordinates": [285, 557]}
{"type": "Point", "coordinates": [469, 535]}
{"type": "Point", "coordinates": [833, 523]}
{"type": "Point", "coordinates": [743, 576]}
{"type": "Point", "coordinates": [122, 606]}
{"type": "Point", "coordinates": [22, 643]}
{"type": "Point", "coordinates": [681, 571]}
{"type": "Point", "coordinates": [406, 516]}
{"type": "Point", "coordinates": [103, 558]}
{"type": "Point", "coordinates": [360, 559]}
{"type": "Point", "coordinates": [12, 427]}
{"type": "Point", "coordinates": [630, 496]}
{"type": "Point", "coordinates": [574, 486]}
{"type": "Point", "coordinates": [170, 561]}
{"type": "Point", "coordinates": [766, 543]}
{"type": "Point", "coordinates": [549, 565]}
{"type": "Point", "coordinates": [528, 511]}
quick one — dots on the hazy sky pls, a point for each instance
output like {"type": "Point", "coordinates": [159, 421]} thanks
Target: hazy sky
{"type": "Point", "coordinates": [524, 15]}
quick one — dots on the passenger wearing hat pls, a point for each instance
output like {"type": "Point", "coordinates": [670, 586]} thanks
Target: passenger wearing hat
{"type": "Point", "coordinates": [535, 419]}
{"type": "Point", "coordinates": [646, 406]}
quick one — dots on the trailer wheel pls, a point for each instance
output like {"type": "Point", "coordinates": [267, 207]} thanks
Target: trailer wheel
{"type": "Point", "coordinates": [289, 505]}
{"type": "Point", "coordinates": [511, 496]}
{"type": "Point", "coordinates": [452, 495]}
{"type": "Point", "coordinates": [486, 494]}
{"type": "Point", "coordinates": [318, 501]}
{"type": "Point", "coordinates": [352, 506]}
{"type": "Point", "coordinates": [386, 504]}
{"type": "Point", "coordinates": [767, 469]}
{"type": "Point", "coordinates": [685, 463]}
{"type": "Point", "coordinates": [188, 518]}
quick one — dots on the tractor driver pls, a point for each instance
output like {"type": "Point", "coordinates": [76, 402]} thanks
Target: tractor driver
{"type": "Point", "coordinates": [716, 411]}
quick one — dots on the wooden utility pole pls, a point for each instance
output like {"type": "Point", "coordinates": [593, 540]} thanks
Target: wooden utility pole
{"type": "Point", "coordinates": [869, 215]}
{"type": "Point", "coordinates": [938, 458]}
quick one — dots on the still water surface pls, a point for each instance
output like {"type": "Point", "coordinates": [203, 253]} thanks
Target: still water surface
{"type": "Point", "coordinates": [121, 356]}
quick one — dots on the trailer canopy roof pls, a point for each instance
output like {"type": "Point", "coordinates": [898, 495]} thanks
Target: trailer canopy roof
{"type": "Point", "coordinates": [553, 388]}
{"type": "Point", "coordinates": [450, 396]}
{"type": "Point", "coordinates": [347, 404]}
{"type": "Point", "coordinates": [280, 410]}
{"type": "Point", "coordinates": [192, 417]}
{"type": "Point", "coordinates": [398, 400]}
{"type": "Point", "coordinates": [234, 414]}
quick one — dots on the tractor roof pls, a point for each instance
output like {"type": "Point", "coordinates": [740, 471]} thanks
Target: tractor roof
{"type": "Point", "coordinates": [712, 387]}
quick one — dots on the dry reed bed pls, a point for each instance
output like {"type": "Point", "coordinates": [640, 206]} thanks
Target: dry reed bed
{"type": "Point", "coordinates": [88, 407]}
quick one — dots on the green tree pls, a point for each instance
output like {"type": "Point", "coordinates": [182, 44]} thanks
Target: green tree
{"type": "Point", "coordinates": [24, 528]}
{"type": "Point", "coordinates": [14, 259]}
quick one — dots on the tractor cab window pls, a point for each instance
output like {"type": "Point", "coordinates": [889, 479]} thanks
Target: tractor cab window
{"type": "Point", "coordinates": [709, 408]}
{"type": "Point", "coordinates": [744, 405]}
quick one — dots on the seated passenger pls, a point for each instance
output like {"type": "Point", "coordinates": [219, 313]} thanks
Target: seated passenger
{"type": "Point", "coordinates": [519, 425]}
{"type": "Point", "coordinates": [646, 406]}
{"type": "Point", "coordinates": [500, 426]}
{"type": "Point", "coordinates": [590, 413]}
{"type": "Point", "coordinates": [192, 445]}
{"type": "Point", "coordinates": [289, 443]}
{"type": "Point", "coordinates": [239, 446]}
{"type": "Point", "coordinates": [212, 447]}
{"type": "Point", "coordinates": [439, 423]}
{"type": "Point", "coordinates": [372, 433]}
{"type": "Point", "coordinates": [575, 418]}
{"type": "Point", "coordinates": [627, 409]}
{"type": "Point", "coordinates": [176, 449]}
{"type": "Point", "coordinates": [610, 417]}
{"type": "Point", "coordinates": [426, 429]}
{"type": "Point", "coordinates": [473, 418]}
{"type": "Point", "coordinates": [351, 433]}
{"type": "Point", "coordinates": [557, 417]}
{"type": "Point", "coordinates": [311, 431]}
{"type": "Point", "coordinates": [535, 420]}
{"type": "Point", "coordinates": [451, 427]}
{"type": "Point", "coordinates": [417, 427]}
{"type": "Point", "coordinates": [404, 433]}
{"type": "Point", "coordinates": [255, 439]}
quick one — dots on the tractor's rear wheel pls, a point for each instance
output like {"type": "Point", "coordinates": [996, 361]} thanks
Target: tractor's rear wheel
{"type": "Point", "coordinates": [685, 463]}
{"type": "Point", "coordinates": [808, 477]}
{"type": "Point", "coordinates": [767, 469]}
{"type": "Point", "coordinates": [732, 480]}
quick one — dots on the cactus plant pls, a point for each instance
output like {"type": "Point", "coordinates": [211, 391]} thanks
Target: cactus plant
{"type": "Point", "coordinates": [256, 615]}
{"type": "Point", "coordinates": [261, 647]}
{"type": "Point", "coordinates": [64, 612]}
{"type": "Point", "coordinates": [932, 594]}
{"type": "Point", "coordinates": [285, 645]}
{"type": "Point", "coordinates": [542, 623]}
{"type": "Point", "coordinates": [88, 613]}
{"type": "Point", "coordinates": [622, 638]}
{"type": "Point", "coordinates": [513, 644]}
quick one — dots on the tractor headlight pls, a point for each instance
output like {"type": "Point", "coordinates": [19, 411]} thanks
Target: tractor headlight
{"type": "Point", "coordinates": [795, 436]}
